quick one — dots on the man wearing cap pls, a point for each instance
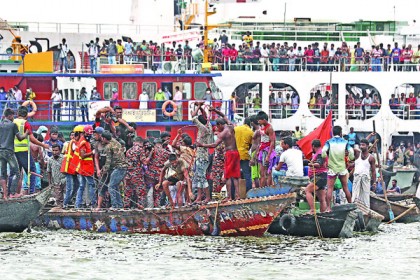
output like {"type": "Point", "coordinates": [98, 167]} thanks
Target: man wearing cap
{"type": "Point", "coordinates": [115, 167]}
{"type": "Point", "coordinates": [22, 147]}
{"type": "Point", "coordinates": [69, 165]}
{"type": "Point", "coordinates": [85, 168]}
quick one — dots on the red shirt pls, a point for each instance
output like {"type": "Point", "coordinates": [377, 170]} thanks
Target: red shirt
{"type": "Point", "coordinates": [27, 127]}
{"type": "Point", "coordinates": [233, 54]}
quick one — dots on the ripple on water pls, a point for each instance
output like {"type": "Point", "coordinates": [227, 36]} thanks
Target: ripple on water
{"type": "Point", "coordinates": [389, 254]}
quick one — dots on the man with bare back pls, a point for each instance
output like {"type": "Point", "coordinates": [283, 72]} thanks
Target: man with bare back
{"type": "Point", "coordinates": [232, 159]}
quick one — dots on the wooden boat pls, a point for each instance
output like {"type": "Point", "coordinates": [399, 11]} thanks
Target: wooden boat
{"type": "Point", "coordinates": [286, 185]}
{"type": "Point", "coordinates": [271, 190]}
{"type": "Point", "coordinates": [367, 219]}
{"type": "Point", "coordinates": [16, 214]}
{"type": "Point", "coordinates": [379, 205]}
{"type": "Point", "coordinates": [417, 201]}
{"type": "Point", "coordinates": [337, 223]}
{"type": "Point", "coordinates": [248, 217]}
{"type": "Point", "coordinates": [396, 197]}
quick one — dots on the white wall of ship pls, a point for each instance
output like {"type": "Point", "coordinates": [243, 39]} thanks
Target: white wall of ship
{"type": "Point", "coordinates": [385, 82]}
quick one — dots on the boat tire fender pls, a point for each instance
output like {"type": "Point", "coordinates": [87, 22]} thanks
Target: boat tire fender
{"type": "Point", "coordinates": [287, 222]}
{"type": "Point", "coordinates": [174, 106]}
{"type": "Point", "coordinates": [33, 105]}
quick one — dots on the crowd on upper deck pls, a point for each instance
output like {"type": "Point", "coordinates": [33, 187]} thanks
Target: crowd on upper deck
{"type": "Point", "coordinates": [253, 55]}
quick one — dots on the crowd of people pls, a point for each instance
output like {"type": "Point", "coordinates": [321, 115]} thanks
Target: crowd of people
{"type": "Point", "coordinates": [249, 55]}
{"type": "Point", "coordinates": [107, 165]}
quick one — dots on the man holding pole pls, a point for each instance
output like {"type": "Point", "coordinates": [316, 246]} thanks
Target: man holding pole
{"type": "Point", "coordinates": [364, 174]}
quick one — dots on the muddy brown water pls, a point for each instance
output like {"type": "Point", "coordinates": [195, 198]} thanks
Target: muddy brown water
{"type": "Point", "coordinates": [393, 253]}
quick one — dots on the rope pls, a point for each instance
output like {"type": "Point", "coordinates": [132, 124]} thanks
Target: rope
{"type": "Point", "coordinates": [318, 227]}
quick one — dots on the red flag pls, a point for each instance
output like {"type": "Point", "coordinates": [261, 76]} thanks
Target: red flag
{"type": "Point", "coordinates": [323, 133]}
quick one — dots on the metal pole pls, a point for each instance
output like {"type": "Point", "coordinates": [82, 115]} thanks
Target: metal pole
{"type": "Point", "coordinates": [284, 16]}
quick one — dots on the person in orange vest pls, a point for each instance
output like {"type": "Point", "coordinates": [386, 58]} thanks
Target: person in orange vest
{"type": "Point", "coordinates": [69, 165]}
{"type": "Point", "coordinates": [85, 168]}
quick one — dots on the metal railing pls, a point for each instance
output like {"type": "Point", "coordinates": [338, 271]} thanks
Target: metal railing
{"type": "Point", "coordinates": [83, 111]}
{"type": "Point", "coordinates": [179, 64]}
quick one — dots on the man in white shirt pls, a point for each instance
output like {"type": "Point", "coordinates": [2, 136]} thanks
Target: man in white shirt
{"type": "Point", "coordinates": [292, 157]}
{"type": "Point", "coordinates": [18, 93]}
{"type": "Point", "coordinates": [177, 99]}
{"type": "Point", "coordinates": [64, 49]}
{"type": "Point", "coordinates": [265, 52]}
{"type": "Point", "coordinates": [144, 99]}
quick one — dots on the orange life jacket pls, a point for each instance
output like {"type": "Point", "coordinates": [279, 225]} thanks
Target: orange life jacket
{"type": "Point", "coordinates": [85, 166]}
{"type": "Point", "coordinates": [71, 160]}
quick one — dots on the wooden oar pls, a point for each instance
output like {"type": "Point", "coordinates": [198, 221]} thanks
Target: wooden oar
{"type": "Point", "coordinates": [390, 212]}
{"type": "Point", "coordinates": [402, 214]}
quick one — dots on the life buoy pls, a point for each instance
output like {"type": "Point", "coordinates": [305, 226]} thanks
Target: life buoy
{"type": "Point", "coordinates": [287, 222]}
{"type": "Point", "coordinates": [174, 106]}
{"type": "Point", "coordinates": [33, 105]}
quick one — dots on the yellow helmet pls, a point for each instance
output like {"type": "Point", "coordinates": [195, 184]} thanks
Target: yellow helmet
{"type": "Point", "coordinates": [78, 128]}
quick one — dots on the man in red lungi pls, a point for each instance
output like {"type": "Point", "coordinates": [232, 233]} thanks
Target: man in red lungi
{"type": "Point", "coordinates": [232, 160]}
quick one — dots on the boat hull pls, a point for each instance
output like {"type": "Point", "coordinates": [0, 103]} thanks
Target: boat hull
{"type": "Point", "coordinates": [331, 224]}
{"type": "Point", "coordinates": [249, 217]}
{"type": "Point", "coordinates": [417, 201]}
{"type": "Point", "coordinates": [17, 214]}
{"type": "Point", "coordinates": [379, 205]}
{"type": "Point", "coordinates": [368, 220]}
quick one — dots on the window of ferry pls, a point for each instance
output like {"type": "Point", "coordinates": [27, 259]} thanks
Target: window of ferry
{"type": "Point", "coordinates": [108, 90]}
{"type": "Point", "coordinates": [150, 88]}
{"type": "Point", "coordinates": [129, 91]}
{"type": "Point", "coordinates": [199, 90]}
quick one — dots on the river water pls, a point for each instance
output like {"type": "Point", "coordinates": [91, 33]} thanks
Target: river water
{"type": "Point", "coordinates": [393, 253]}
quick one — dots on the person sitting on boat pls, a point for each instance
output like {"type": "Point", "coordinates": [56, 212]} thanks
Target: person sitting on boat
{"type": "Point", "coordinates": [292, 157]}
{"type": "Point", "coordinates": [337, 149]}
{"type": "Point", "coordinates": [282, 172]}
{"type": "Point", "coordinates": [173, 178]}
{"type": "Point", "coordinates": [395, 189]}
{"type": "Point", "coordinates": [232, 159]}
{"type": "Point", "coordinates": [266, 151]}
{"type": "Point", "coordinates": [317, 177]}
{"type": "Point", "coordinates": [364, 174]}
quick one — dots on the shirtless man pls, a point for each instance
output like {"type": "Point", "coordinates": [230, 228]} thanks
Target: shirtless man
{"type": "Point", "coordinates": [256, 139]}
{"type": "Point", "coordinates": [232, 159]}
{"type": "Point", "coordinates": [266, 151]}
{"type": "Point", "coordinates": [364, 174]}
